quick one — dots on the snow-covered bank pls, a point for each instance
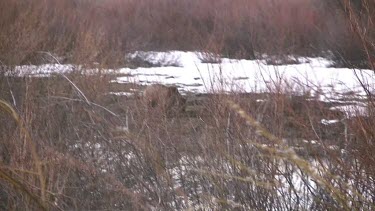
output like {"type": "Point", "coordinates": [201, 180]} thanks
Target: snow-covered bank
{"type": "Point", "coordinates": [204, 73]}
{"type": "Point", "coordinates": [190, 73]}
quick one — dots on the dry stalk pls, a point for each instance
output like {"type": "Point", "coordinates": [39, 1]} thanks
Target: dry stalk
{"type": "Point", "coordinates": [37, 162]}
{"type": "Point", "coordinates": [288, 154]}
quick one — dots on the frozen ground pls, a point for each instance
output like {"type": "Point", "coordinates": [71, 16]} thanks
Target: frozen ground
{"type": "Point", "coordinates": [200, 72]}
{"type": "Point", "coordinates": [190, 72]}
{"type": "Point", "coordinates": [204, 73]}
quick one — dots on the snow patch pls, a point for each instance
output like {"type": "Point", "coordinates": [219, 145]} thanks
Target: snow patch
{"type": "Point", "coordinates": [329, 122]}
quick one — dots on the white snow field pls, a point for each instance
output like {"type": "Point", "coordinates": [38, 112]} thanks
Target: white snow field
{"type": "Point", "coordinates": [186, 70]}
{"type": "Point", "coordinates": [200, 72]}
{"type": "Point", "coordinates": [192, 72]}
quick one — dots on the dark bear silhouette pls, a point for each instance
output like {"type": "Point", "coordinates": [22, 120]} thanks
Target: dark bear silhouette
{"type": "Point", "coordinates": [165, 99]}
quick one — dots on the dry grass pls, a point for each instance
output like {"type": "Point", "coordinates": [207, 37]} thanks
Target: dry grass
{"type": "Point", "coordinates": [67, 144]}
{"type": "Point", "coordinates": [233, 153]}
{"type": "Point", "coordinates": [86, 32]}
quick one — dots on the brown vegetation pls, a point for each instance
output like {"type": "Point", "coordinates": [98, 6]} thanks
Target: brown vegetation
{"type": "Point", "coordinates": [59, 144]}
{"type": "Point", "coordinates": [103, 31]}
{"type": "Point", "coordinates": [61, 150]}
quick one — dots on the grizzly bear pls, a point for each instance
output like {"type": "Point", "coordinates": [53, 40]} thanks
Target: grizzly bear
{"type": "Point", "coordinates": [165, 99]}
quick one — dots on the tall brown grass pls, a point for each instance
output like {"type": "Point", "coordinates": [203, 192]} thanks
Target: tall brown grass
{"type": "Point", "coordinates": [235, 152]}
{"type": "Point", "coordinates": [103, 31]}
{"type": "Point", "coordinates": [61, 147]}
